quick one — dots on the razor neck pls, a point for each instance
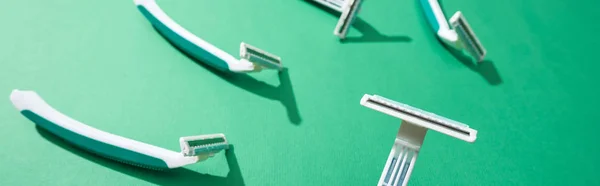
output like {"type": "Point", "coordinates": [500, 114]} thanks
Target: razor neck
{"type": "Point", "coordinates": [450, 38]}
{"type": "Point", "coordinates": [243, 65]}
{"type": "Point", "coordinates": [437, 20]}
{"type": "Point", "coordinates": [412, 134]}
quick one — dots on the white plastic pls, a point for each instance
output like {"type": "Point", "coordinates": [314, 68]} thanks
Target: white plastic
{"type": "Point", "coordinates": [410, 136]}
{"type": "Point", "coordinates": [29, 100]}
{"type": "Point", "coordinates": [188, 150]}
{"type": "Point", "coordinates": [349, 12]}
{"type": "Point", "coordinates": [348, 9]}
{"type": "Point", "coordinates": [399, 164]}
{"type": "Point", "coordinates": [248, 51]}
{"type": "Point", "coordinates": [336, 5]}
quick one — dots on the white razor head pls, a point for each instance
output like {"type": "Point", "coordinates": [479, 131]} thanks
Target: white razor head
{"type": "Point", "coordinates": [419, 117]}
{"type": "Point", "coordinates": [399, 165]}
{"type": "Point", "coordinates": [337, 5]}
{"type": "Point", "coordinates": [203, 144]}
{"type": "Point", "coordinates": [260, 57]}
{"type": "Point", "coordinates": [349, 12]}
{"type": "Point", "coordinates": [467, 36]}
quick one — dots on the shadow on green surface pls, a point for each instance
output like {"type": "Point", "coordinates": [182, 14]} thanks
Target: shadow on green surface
{"type": "Point", "coordinates": [174, 177]}
{"type": "Point", "coordinates": [485, 68]}
{"type": "Point", "coordinates": [369, 33]}
{"type": "Point", "coordinates": [283, 93]}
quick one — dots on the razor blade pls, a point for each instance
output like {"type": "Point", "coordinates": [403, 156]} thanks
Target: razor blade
{"type": "Point", "coordinates": [260, 57]}
{"type": "Point", "coordinates": [253, 59]}
{"type": "Point", "coordinates": [467, 37]}
{"type": "Point", "coordinates": [459, 36]}
{"type": "Point", "coordinates": [419, 117]}
{"type": "Point", "coordinates": [410, 136]}
{"type": "Point", "coordinates": [347, 18]}
{"type": "Point", "coordinates": [336, 5]}
{"type": "Point", "coordinates": [348, 9]}
{"type": "Point", "coordinates": [203, 144]}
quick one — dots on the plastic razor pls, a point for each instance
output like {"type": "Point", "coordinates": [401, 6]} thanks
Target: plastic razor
{"type": "Point", "coordinates": [193, 148]}
{"type": "Point", "coordinates": [458, 34]}
{"type": "Point", "coordinates": [410, 136]}
{"type": "Point", "coordinates": [252, 58]}
{"type": "Point", "coordinates": [348, 9]}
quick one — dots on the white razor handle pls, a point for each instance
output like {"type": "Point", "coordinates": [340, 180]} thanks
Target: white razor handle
{"type": "Point", "coordinates": [399, 164]}
{"type": "Point", "coordinates": [105, 144]}
{"type": "Point", "coordinates": [191, 44]}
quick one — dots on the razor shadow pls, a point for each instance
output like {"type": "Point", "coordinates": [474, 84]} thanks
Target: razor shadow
{"type": "Point", "coordinates": [174, 177]}
{"type": "Point", "coordinates": [194, 149]}
{"type": "Point", "coordinates": [283, 93]}
{"type": "Point", "coordinates": [369, 33]}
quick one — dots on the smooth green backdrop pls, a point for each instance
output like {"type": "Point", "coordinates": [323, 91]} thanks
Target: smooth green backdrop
{"type": "Point", "coordinates": [533, 102]}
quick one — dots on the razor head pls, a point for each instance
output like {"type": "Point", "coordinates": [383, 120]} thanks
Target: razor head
{"type": "Point", "coordinates": [260, 57]}
{"type": "Point", "coordinates": [399, 165]}
{"type": "Point", "coordinates": [203, 144]}
{"type": "Point", "coordinates": [349, 12]}
{"type": "Point", "coordinates": [467, 36]}
{"type": "Point", "coordinates": [419, 117]}
{"type": "Point", "coordinates": [336, 5]}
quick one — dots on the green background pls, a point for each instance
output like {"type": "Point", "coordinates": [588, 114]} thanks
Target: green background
{"type": "Point", "coordinates": [100, 62]}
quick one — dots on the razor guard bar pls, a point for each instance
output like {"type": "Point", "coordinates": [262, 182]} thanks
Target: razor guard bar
{"type": "Point", "coordinates": [203, 144]}
{"type": "Point", "coordinates": [201, 49]}
{"type": "Point", "coordinates": [458, 34]}
{"type": "Point", "coordinates": [348, 9]}
{"type": "Point", "coordinates": [410, 136]}
{"type": "Point", "coordinates": [112, 146]}
{"type": "Point", "coordinates": [336, 5]}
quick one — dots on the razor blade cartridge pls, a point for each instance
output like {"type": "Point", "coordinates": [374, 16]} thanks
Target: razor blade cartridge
{"type": "Point", "coordinates": [260, 57]}
{"type": "Point", "coordinates": [466, 35]}
{"type": "Point", "coordinates": [337, 5]}
{"type": "Point", "coordinates": [420, 118]}
{"type": "Point", "coordinates": [203, 144]}
{"type": "Point", "coordinates": [347, 18]}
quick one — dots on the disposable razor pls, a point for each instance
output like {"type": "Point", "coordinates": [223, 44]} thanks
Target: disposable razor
{"type": "Point", "coordinates": [194, 149]}
{"type": "Point", "coordinates": [252, 59]}
{"type": "Point", "coordinates": [458, 34]}
{"type": "Point", "coordinates": [410, 136]}
{"type": "Point", "coordinates": [348, 9]}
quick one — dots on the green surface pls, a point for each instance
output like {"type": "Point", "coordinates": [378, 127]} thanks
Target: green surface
{"type": "Point", "coordinates": [102, 63]}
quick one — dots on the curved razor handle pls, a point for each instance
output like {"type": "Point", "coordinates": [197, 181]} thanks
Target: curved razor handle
{"type": "Point", "coordinates": [99, 142]}
{"type": "Point", "coordinates": [199, 48]}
